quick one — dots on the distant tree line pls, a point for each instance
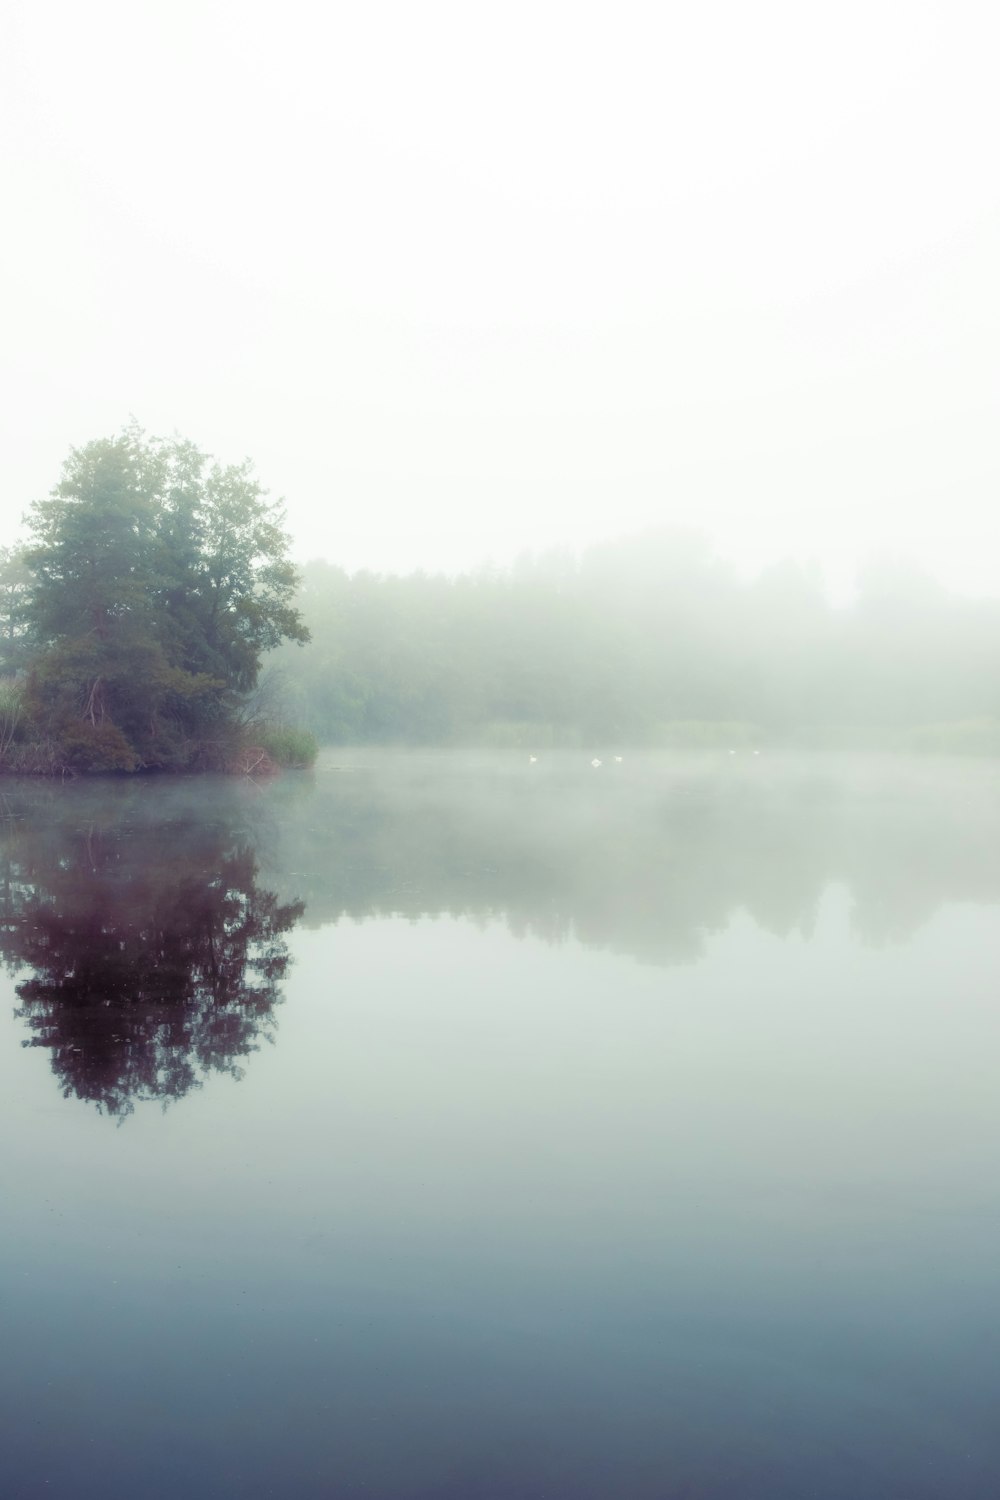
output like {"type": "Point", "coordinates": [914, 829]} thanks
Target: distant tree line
{"type": "Point", "coordinates": [653, 641]}
{"type": "Point", "coordinates": [155, 585]}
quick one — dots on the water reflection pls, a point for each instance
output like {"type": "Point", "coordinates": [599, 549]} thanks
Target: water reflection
{"type": "Point", "coordinates": [147, 922]}
{"type": "Point", "coordinates": [649, 858]}
{"type": "Point", "coordinates": [496, 1219]}
{"type": "Point", "coordinates": [156, 955]}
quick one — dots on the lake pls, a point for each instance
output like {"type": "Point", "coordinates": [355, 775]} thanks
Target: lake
{"type": "Point", "coordinates": [457, 1127]}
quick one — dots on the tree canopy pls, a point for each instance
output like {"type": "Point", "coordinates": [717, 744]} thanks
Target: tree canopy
{"type": "Point", "coordinates": [156, 579]}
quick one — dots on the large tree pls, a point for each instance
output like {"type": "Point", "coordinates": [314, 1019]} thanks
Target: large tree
{"type": "Point", "coordinates": [158, 579]}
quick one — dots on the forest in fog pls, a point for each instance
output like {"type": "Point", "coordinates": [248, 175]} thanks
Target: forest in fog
{"type": "Point", "coordinates": [154, 620]}
{"type": "Point", "coordinates": [652, 640]}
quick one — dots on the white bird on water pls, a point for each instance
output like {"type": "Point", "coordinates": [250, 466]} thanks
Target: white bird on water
{"type": "Point", "coordinates": [532, 759]}
{"type": "Point", "coordinates": [595, 763]}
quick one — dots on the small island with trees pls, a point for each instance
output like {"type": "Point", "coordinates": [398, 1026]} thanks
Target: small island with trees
{"type": "Point", "coordinates": [151, 620]}
{"type": "Point", "coordinates": [136, 616]}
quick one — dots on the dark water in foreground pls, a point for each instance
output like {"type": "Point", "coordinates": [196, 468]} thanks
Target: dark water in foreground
{"type": "Point", "coordinates": [451, 1128]}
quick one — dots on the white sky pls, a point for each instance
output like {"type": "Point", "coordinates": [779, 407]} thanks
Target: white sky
{"type": "Point", "coordinates": [469, 279]}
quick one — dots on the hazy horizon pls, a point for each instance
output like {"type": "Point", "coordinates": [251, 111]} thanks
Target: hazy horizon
{"type": "Point", "coordinates": [466, 285]}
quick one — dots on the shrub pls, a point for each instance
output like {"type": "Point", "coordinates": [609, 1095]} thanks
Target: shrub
{"type": "Point", "coordinates": [96, 747]}
{"type": "Point", "coordinates": [12, 718]}
{"type": "Point", "coordinates": [286, 745]}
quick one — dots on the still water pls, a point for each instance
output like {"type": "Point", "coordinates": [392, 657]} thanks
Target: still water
{"type": "Point", "coordinates": [456, 1128]}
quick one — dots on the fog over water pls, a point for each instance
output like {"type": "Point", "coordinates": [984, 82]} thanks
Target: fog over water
{"type": "Point", "coordinates": [580, 1082]}
{"type": "Point", "coordinates": [474, 1125]}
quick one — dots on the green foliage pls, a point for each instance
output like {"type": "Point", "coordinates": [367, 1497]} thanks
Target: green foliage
{"type": "Point", "coordinates": [96, 747]}
{"type": "Point", "coordinates": [12, 718]}
{"type": "Point", "coordinates": [286, 745]}
{"type": "Point", "coordinates": [14, 583]}
{"type": "Point", "coordinates": [965, 737]}
{"type": "Point", "coordinates": [156, 580]}
{"type": "Point", "coordinates": [644, 642]}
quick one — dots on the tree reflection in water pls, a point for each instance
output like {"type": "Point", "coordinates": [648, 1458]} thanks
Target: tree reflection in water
{"type": "Point", "coordinates": [652, 858]}
{"type": "Point", "coordinates": [157, 949]}
{"type": "Point", "coordinates": [157, 957]}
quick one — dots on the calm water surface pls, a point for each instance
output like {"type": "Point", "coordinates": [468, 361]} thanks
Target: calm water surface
{"type": "Point", "coordinates": [445, 1127]}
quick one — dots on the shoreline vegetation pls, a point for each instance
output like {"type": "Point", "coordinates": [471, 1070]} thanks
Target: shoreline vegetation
{"type": "Point", "coordinates": [153, 622]}
{"type": "Point", "coordinates": [651, 642]}
{"type": "Point", "coordinates": [267, 749]}
{"type": "Point", "coordinates": [135, 618]}
{"type": "Point", "coordinates": [259, 749]}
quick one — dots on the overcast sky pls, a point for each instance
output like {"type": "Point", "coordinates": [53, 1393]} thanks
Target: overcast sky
{"type": "Point", "coordinates": [471, 279]}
